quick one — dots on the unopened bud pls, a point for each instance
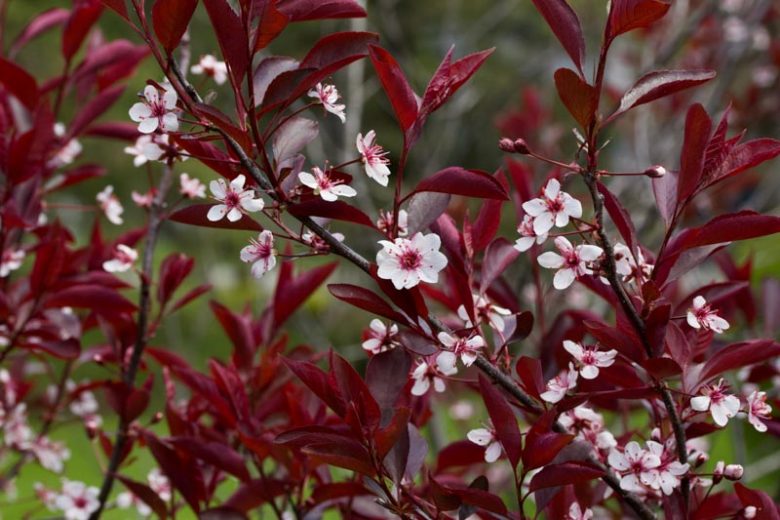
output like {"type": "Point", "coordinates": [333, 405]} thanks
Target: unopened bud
{"type": "Point", "coordinates": [717, 473]}
{"type": "Point", "coordinates": [734, 472]}
{"type": "Point", "coordinates": [521, 147]}
{"type": "Point", "coordinates": [749, 512]}
{"type": "Point", "coordinates": [655, 172]}
{"type": "Point", "coordinates": [157, 417]}
{"type": "Point", "coordinates": [505, 144]}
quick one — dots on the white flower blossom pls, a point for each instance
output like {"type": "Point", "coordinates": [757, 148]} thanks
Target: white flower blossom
{"type": "Point", "coordinates": [110, 205]}
{"type": "Point", "coordinates": [589, 358]}
{"type": "Point", "coordinates": [77, 500]}
{"type": "Point", "coordinates": [486, 437]}
{"type": "Point", "coordinates": [714, 398]}
{"type": "Point", "coordinates": [211, 67]}
{"type": "Point", "coordinates": [560, 384]}
{"type": "Point", "coordinates": [425, 374]}
{"type": "Point", "coordinates": [373, 157]}
{"type": "Point", "coordinates": [577, 513]}
{"type": "Point", "coordinates": [635, 465]}
{"type": "Point", "coordinates": [380, 337]}
{"type": "Point", "coordinates": [260, 253]}
{"type": "Point", "coordinates": [407, 262]}
{"type": "Point", "coordinates": [234, 198]}
{"type": "Point", "coordinates": [191, 187]}
{"type": "Point", "coordinates": [758, 410]}
{"type": "Point", "coordinates": [10, 260]}
{"type": "Point", "coordinates": [67, 152]}
{"type": "Point", "coordinates": [328, 96]}
{"type": "Point", "coordinates": [528, 236]}
{"type": "Point", "coordinates": [466, 348]}
{"type": "Point", "coordinates": [553, 208]}
{"type": "Point", "coordinates": [154, 113]}
{"type": "Point", "coordinates": [571, 263]}
{"type": "Point", "coordinates": [701, 316]}
{"type": "Point", "coordinates": [326, 187]}
{"type": "Point", "coordinates": [485, 311]}
{"type": "Point", "coordinates": [122, 260]}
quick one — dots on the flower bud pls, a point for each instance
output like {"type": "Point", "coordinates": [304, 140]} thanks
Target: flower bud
{"type": "Point", "coordinates": [156, 418]}
{"type": "Point", "coordinates": [505, 144]}
{"type": "Point", "coordinates": [733, 472]}
{"type": "Point", "coordinates": [655, 172]}
{"type": "Point", "coordinates": [521, 147]}
{"type": "Point", "coordinates": [749, 512]}
{"type": "Point", "coordinates": [717, 473]}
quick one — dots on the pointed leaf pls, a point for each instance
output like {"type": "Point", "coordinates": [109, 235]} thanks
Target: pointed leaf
{"type": "Point", "coordinates": [579, 97]}
{"type": "Point", "coordinates": [660, 83]}
{"type": "Point", "coordinates": [564, 23]}
{"type": "Point", "coordinates": [170, 19]}
{"type": "Point", "coordinates": [627, 15]}
{"type": "Point", "coordinates": [396, 86]}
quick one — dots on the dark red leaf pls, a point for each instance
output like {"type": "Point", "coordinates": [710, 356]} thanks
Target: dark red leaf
{"type": "Point", "coordinates": [83, 16]}
{"type": "Point", "coordinates": [39, 25]}
{"type": "Point", "coordinates": [530, 372]}
{"type": "Point", "coordinates": [19, 83]}
{"type": "Point", "coordinates": [301, 10]}
{"type": "Point", "coordinates": [498, 256]}
{"type": "Point", "coordinates": [662, 367]}
{"type": "Point", "coordinates": [766, 509]}
{"type": "Point", "coordinates": [183, 472]}
{"type": "Point", "coordinates": [326, 492]}
{"type": "Point", "coordinates": [146, 495]}
{"type": "Point", "coordinates": [580, 98]}
{"type": "Point", "coordinates": [209, 155]}
{"type": "Point", "coordinates": [364, 299]}
{"type": "Point", "coordinates": [195, 215]}
{"type": "Point", "coordinates": [620, 217]}
{"type": "Point", "coordinates": [542, 444]}
{"type": "Point", "coordinates": [459, 181]}
{"type": "Point", "coordinates": [291, 292]}
{"type": "Point", "coordinates": [174, 269]}
{"type": "Point", "coordinates": [698, 127]}
{"type": "Point", "coordinates": [118, 6]}
{"type": "Point", "coordinates": [255, 493]}
{"type": "Point", "coordinates": [271, 23]}
{"type": "Point", "coordinates": [627, 15]}
{"type": "Point", "coordinates": [564, 474]}
{"type": "Point", "coordinates": [232, 37]}
{"type": "Point", "coordinates": [396, 86]}
{"type": "Point", "coordinates": [459, 454]}
{"type": "Point", "coordinates": [345, 455]}
{"type": "Point", "coordinates": [238, 328]}
{"type": "Point", "coordinates": [337, 210]}
{"type": "Point", "coordinates": [744, 157]}
{"type": "Point", "coordinates": [94, 109]}
{"type": "Point", "coordinates": [660, 83]}
{"type": "Point", "coordinates": [319, 383]}
{"type": "Point", "coordinates": [739, 355]}
{"type": "Point", "coordinates": [170, 19]}
{"type": "Point", "coordinates": [96, 298]}
{"type": "Point", "coordinates": [386, 376]}
{"type": "Point", "coordinates": [217, 454]}
{"type": "Point", "coordinates": [503, 419]}
{"type": "Point", "coordinates": [564, 23]}
{"type": "Point", "coordinates": [337, 47]}
{"type": "Point", "coordinates": [727, 228]}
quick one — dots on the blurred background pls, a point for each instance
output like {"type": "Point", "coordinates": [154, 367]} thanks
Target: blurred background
{"type": "Point", "coordinates": [512, 95]}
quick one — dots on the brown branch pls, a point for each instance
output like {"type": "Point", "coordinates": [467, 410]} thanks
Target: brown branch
{"type": "Point", "coordinates": [144, 306]}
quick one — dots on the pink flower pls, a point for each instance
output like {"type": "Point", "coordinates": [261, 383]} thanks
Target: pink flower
{"type": "Point", "coordinates": [407, 262]}
{"type": "Point", "coordinates": [211, 67]}
{"type": "Point", "coordinates": [425, 374]}
{"type": "Point", "coordinates": [123, 259]}
{"type": "Point", "coordinates": [329, 96]}
{"type": "Point", "coordinates": [635, 465]}
{"type": "Point", "coordinates": [323, 185]}
{"type": "Point", "coordinates": [51, 455]}
{"type": "Point", "coordinates": [16, 431]}
{"type": "Point", "coordinates": [571, 263]}
{"type": "Point", "coordinates": [77, 501]}
{"type": "Point", "coordinates": [665, 477]}
{"type": "Point", "coordinates": [486, 437]}
{"type": "Point", "coordinates": [260, 253]}
{"type": "Point", "coordinates": [701, 316]}
{"type": "Point", "coordinates": [588, 426]}
{"type": "Point", "coordinates": [159, 484]}
{"type": "Point", "coordinates": [485, 311]}
{"type": "Point", "coordinates": [10, 260]}
{"type": "Point", "coordinates": [553, 208]}
{"type": "Point", "coordinates": [110, 205]}
{"type": "Point", "coordinates": [143, 200]}
{"type": "Point", "coordinates": [317, 243]}
{"type": "Point", "coordinates": [373, 157]}
{"type": "Point", "coordinates": [559, 385]}
{"type": "Point", "coordinates": [758, 410]}
{"type": "Point", "coordinates": [380, 337]}
{"type": "Point", "coordinates": [191, 187]}
{"type": "Point", "coordinates": [721, 405]}
{"type": "Point", "coordinates": [385, 222]}
{"type": "Point", "coordinates": [155, 113]}
{"type": "Point", "coordinates": [466, 348]}
{"type": "Point", "coordinates": [528, 236]}
{"type": "Point", "coordinates": [143, 150]}
{"type": "Point", "coordinates": [577, 513]}
{"type": "Point", "coordinates": [589, 359]}
{"type": "Point", "coordinates": [627, 267]}
{"type": "Point", "coordinates": [68, 152]}
{"type": "Point", "coordinates": [234, 198]}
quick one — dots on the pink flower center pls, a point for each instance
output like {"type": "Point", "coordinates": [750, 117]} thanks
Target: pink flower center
{"type": "Point", "coordinates": [261, 249]}
{"type": "Point", "coordinates": [555, 205]}
{"type": "Point", "coordinates": [588, 357]}
{"type": "Point", "coordinates": [232, 199]}
{"type": "Point", "coordinates": [572, 259]}
{"type": "Point", "coordinates": [410, 259]}
{"type": "Point", "coordinates": [80, 502]}
{"type": "Point", "coordinates": [158, 109]}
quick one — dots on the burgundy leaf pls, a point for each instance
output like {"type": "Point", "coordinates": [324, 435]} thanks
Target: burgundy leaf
{"type": "Point", "coordinates": [267, 71]}
{"type": "Point", "coordinates": [345, 455]}
{"type": "Point", "coordinates": [364, 299]}
{"type": "Point", "coordinates": [564, 474]}
{"type": "Point", "coordinates": [98, 299]}
{"type": "Point", "coordinates": [83, 16]}
{"type": "Point", "coordinates": [292, 291]}
{"type": "Point", "coordinates": [302, 10]}
{"type": "Point", "coordinates": [183, 472]}
{"type": "Point", "coordinates": [118, 6]}
{"type": "Point", "coordinates": [239, 330]}
{"type": "Point", "coordinates": [498, 256]}
{"type": "Point", "coordinates": [580, 98]}
{"type": "Point", "coordinates": [460, 181]}
{"type": "Point", "coordinates": [174, 269]}
{"type": "Point", "coordinates": [503, 419]}
{"type": "Point", "coordinates": [338, 47]}
{"type": "Point", "coordinates": [170, 19]}
{"type": "Point", "coordinates": [744, 157]}
{"type": "Point", "coordinates": [386, 376]}
{"type": "Point", "coordinates": [542, 445]}
{"type": "Point", "coordinates": [564, 23]}
{"type": "Point", "coordinates": [737, 356]}
{"type": "Point", "coordinates": [255, 493]}
{"type": "Point", "coordinates": [19, 83]}
{"type": "Point", "coordinates": [660, 83]}
{"type": "Point", "coordinates": [146, 495]}
{"type": "Point", "coordinates": [728, 228]}
{"type": "Point", "coordinates": [271, 23]}
{"type": "Point", "coordinates": [530, 372]}
{"type": "Point", "coordinates": [424, 208]}
{"type": "Point", "coordinates": [217, 454]}
{"type": "Point", "coordinates": [319, 383]}
{"type": "Point", "coordinates": [209, 155]}
{"type": "Point", "coordinates": [766, 509]}
{"type": "Point", "coordinates": [665, 192]}
{"type": "Point", "coordinates": [627, 15]}
{"type": "Point", "coordinates": [395, 85]}
{"type": "Point", "coordinates": [39, 25]}
{"type": "Point", "coordinates": [232, 37]}
{"type": "Point", "coordinates": [94, 109]}
{"type": "Point", "coordinates": [195, 215]}
{"type": "Point", "coordinates": [698, 127]}
{"type": "Point", "coordinates": [293, 136]}
{"type": "Point", "coordinates": [337, 210]}
{"type": "Point", "coordinates": [449, 77]}
{"type": "Point", "coordinates": [620, 217]}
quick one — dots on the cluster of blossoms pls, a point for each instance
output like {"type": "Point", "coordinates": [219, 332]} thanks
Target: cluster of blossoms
{"type": "Point", "coordinates": [723, 406]}
{"type": "Point", "coordinates": [588, 426]}
{"type": "Point", "coordinates": [380, 337]}
{"type": "Point", "coordinates": [587, 362]}
{"type": "Point", "coordinates": [648, 471]}
{"type": "Point", "coordinates": [75, 500]}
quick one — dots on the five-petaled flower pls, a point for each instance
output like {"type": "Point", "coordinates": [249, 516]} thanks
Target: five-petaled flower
{"type": "Point", "coordinates": [325, 186]}
{"type": "Point", "coordinates": [407, 262]}
{"type": "Point", "coordinates": [380, 337]}
{"type": "Point", "coordinates": [373, 158]}
{"type": "Point", "coordinates": [122, 260]}
{"type": "Point", "coordinates": [560, 384]}
{"type": "Point", "coordinates": [666, 476]}
{"type": "Point", "coordinates": [528, 236]}
{"type": "Point", "coordinates": [77, 500]}
{"type": "Point", "coordinates": [328, 95]}
{"type": "Point", "coordinates": [701, 316]}
{"type": "Point", "coordinates": [234, 198]}
{"type": "Point", "coordinates": [211, 67]}
{"type": "Point", "coordinates": [485, 311]}
{"type": "Point", "coordinates": [571, 263]}
{"type": "Point", "coordinates": [191, 187]}
{"type": "Point", "coordinates": [714, 398]}
{"type": "Point", "coordinates": [10, 260]}
{"type": "Point", "coordinates": [110, 205]}
{"type": "Point", "coordinates": [758, 410]}
{"type": "Point", "coordinates": [486, 437]}
{"type": "Point", "coordinates": [466, 348]}
{"type": "Point", "coordinates": [553, 208]}
{"type": "Point", "coordinates": [426, 373]}
{"type": "Point", "coordinates": [385, 222]}
{"type": "Point", "coordinates": [635, 465]}
{"type": "Point", "coordinates": [155, 113]}
{"type": "Point", "coordinates": [260, 253]}
{"type": "Point", "coordinates": [589, 358]}
{"type": "Point", "coordinates": [588, 425]}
